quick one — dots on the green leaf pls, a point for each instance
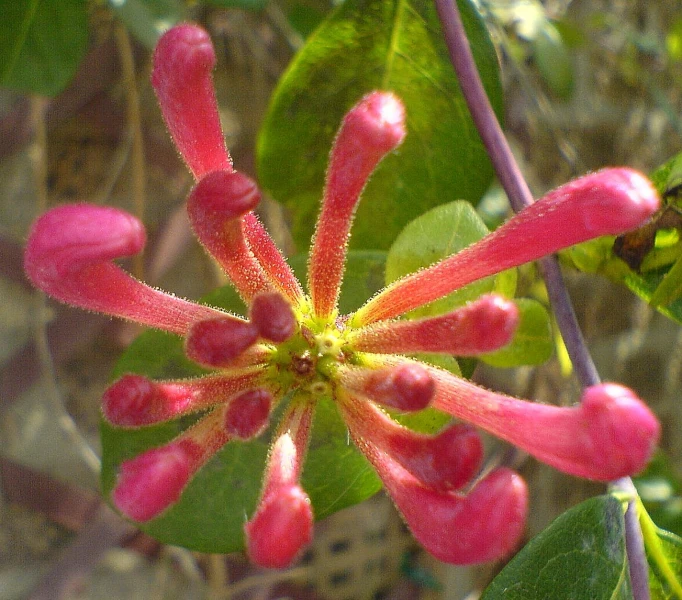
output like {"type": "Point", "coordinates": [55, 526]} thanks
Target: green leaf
{"type": "Point", "coordinates": [660, 489]}
{"type": "Point", "coordinates": [553, 60]}
{"type": "Point", "coordinates": [533, 343]}
{"type": "Point", "coordinates": [211, 512]}
{"type": "Point", "coordinates": [440, 232]}
{"type": "Point", "coordinates": [664, 554]}
{"type": "Point", "coordinates": [246, 4]}
{"type": "Point", "coordinates": [378, 44]}
{"type": "Point", "coordinates": [148, 19]}
{"type": "Point", "coordinates": [42, 43]}
{"type": "Point", "coordinates": [580, 555]}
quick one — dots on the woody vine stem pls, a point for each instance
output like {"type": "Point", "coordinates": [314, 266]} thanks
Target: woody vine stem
{"type": "Point", "coordinates": [514, 184]}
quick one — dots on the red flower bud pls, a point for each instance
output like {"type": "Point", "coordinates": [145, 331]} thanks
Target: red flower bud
{"type": "Point", "coordinates": [218, 342]}
{"type": "Point", "coordinates": [247, 414]}
{"type": "Point", "coordinates": [280, 529]}
{"type": "Point", "coordinates": [273, 316]}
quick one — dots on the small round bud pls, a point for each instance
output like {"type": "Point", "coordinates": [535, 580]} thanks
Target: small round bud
{"type": "Point", "coordinates": [217, 342]}
{"type": "Point", "coordinates": [407, 387]}
{"type": "Point", "coordinates": [247, 415]}
{"type": "Point", "coordinates": [149, 483]}
{"type": "Point", "coordinates": [272, 315]}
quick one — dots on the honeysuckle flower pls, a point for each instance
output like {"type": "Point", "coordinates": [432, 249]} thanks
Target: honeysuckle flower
{"type": "Point", "coordinates": [294, 344]}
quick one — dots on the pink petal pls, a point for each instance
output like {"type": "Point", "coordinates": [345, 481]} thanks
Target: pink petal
{"type": "Point", "coordinates": [134, 401]}
{"type": "Point", "coordinates": [218, 342]}
{"type": "Point", "coordinates": [484, 325]}
{"type": "Point", "coordinates": [372, 129]}
{"type": "Point", "coordinates": [183, 61]}
{"type": "Point", "coordinates": [280, 529]}
{"type": "Point", "coordinates": [407, 386]}
{"type": "Point", "coordinates": [444, 461]}
{"type": "Point", "coordinates": [273, 317]}
{"type": "Point", "coordinates": [68, 256]}
{"type": "Point", "coordinates": [484, 525]}
{"type": "Point", "coordinates": [611, 434]}
{"type": "Point", "coordinates": [608, 202]}
{"type": "Point", "coordinates": [247, 415]}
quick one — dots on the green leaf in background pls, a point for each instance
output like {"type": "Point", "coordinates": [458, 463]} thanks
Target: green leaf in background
{"type": "Point", "coordinates": [581, 555]}
{"type": "Point", "coordinates": [378, 44]}
{"type": "Point", "coordinates": [42, 43]}
{"type": "Point", "coordinates": [532, 344]}
{"type": "Point", "coordinates": [246, 4]}
{"type": "Point", "coordinates": [440, 232]}
{"type": "Point", "coordinates": [660, 489]}
{"type": "Point", "coordinates": [148, 19]}
{"type": "Point", "coordinates": [664, 553]}
{"type": "Point", "coordinates": [554, 60]}
{"type": "Point", "coordinates": [211, 512]}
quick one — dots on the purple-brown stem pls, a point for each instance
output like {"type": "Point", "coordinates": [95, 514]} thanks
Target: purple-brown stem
{"type": "Point", "coordinates": [519, 195]}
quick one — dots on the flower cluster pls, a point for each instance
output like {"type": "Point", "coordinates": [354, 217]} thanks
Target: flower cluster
{"type": "Point", "coordinates": [295, 344]}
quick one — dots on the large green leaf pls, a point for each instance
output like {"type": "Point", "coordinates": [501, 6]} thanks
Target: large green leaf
{"type": "Point", "coordinates": [440, 232]}
{"type": "Point", "coordinates": [580, 556]}
{"type": "Point", "coordinates": [41, 43]}
{"type": "Point", "coordinates": [210, 514]}
{"type": "Point", "coordinates": [378, 44]}
{"type": "Point", "coordinates": [246, 4]}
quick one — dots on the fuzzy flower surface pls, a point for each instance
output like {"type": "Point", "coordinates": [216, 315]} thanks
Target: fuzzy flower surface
{"type": "Point", "coordinates": [295, 347]}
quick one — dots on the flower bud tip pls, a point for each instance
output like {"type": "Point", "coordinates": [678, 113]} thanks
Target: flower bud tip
{"type": "Point", "coordinates": [281, 527]}
{"type": "Point", "coordinates": [149, 483]}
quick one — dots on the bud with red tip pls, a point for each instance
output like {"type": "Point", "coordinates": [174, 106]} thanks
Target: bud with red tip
{"type": "Point", "coordinates": [408, 387]}
{"type": "Point", "coordinates": [152, 481]}
{"type": "Point", "coordinates": [608, 202]}
{"type": "Point", "coordinates": [181, 76]}
{"type": "Point", "coordinates": [371, 129]}
{"type": "Point", "coordinates": [281, 528]}
{"type": "Point", "coordinates": [69, 255]}
{"type": "Point", "coordinates": [218, 342]}
{"type": "Point", "coordinates": [273, 317]}
{"type": "Point", "coordinates": [484, 325]}
{"type": "Point", "coordinates": [134, 401]}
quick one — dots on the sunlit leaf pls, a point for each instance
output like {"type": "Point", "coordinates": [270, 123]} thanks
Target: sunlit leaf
{"type": "Point", "coordinates": [378, 44]}
{"type": "Point", "coordinates": [440, 232]}
{"type": "Point", "coordinates": [581, 555]}
{"type": "Point", "coordinates": [42, 43]}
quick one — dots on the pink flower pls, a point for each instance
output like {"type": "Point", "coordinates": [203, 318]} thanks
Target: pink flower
{"type": "Point", "coordinates": [295, 344]}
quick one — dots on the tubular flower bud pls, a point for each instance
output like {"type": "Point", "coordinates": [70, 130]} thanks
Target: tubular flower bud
{"type": "Point", "coordinates": [445, 461]}
{"type": "Point", "coordinates": [484, 325]}
{"type": "Point", "coordinates": [295, 348]}
{"type": "Point", "coordinates": [273, 317]}
{"type": "Point", "coordinates": [218, 342]}
{"type": "Point", "coordinates": [247, 414]}
{"type": "Point", "coordinates": [407, 387]}
{"type": "Point", "coordinates": [133, 400]}
{"type": "Point", "coordinates": [372, 128]}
